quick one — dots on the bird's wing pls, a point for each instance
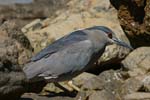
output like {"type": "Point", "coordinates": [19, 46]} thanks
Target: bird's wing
{"type": "Point", "coordinates": [72, 59]}
{"type": "Point", "coordinates": [60, 44]}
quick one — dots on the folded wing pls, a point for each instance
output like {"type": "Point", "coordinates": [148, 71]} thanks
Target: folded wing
{"type": "Point", "coordinates": [60, 44]}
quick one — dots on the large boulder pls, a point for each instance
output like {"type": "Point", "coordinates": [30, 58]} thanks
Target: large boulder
{"type": "Point", "coordinates": [15, 50]}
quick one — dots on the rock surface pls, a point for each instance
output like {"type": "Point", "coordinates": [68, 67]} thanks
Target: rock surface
{"type": "Point", "coordinates": [134, 18]}
{"type": "Point", "coordinates": [137, 96]}
{"type": "Point", "coordinates": [138, 61]}
{"type": "Point", "coordinates": [146, 83]}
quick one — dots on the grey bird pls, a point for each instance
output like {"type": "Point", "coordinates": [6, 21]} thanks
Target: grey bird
{"type": "Point", "coordinates": [70, 55]}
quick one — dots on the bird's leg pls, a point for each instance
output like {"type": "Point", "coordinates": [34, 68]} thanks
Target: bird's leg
{"type": "Point", "coordinates": [69, 86]}
{"type": "Point", "coordinates": [61, 86]}
{"type": "Point", "coordinates": [73, 86]}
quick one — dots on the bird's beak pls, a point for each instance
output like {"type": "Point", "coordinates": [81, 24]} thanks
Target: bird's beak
{"type": "Point", "coordinates": [121, 43]}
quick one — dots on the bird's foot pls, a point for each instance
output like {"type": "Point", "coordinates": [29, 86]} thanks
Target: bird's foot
{"type": "Point", "coordinates": [70, 83]}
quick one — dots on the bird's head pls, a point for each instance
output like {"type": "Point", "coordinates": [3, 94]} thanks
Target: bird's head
{"type": "Point", "coordinates": [110, 35]}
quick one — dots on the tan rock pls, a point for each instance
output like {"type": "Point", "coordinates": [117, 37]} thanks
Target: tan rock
{"type": "Point", "coordinates": [130, 85]}
{"type": "Point", "coordinates": [81, 79]}
{"type": "Point", "coordinates": [146, 83]}
{"type": "Point", "coordinates": [137, 96]}
{"type": "Point", "coordinates": [138, 61]}
{"type": "Point", "coordinates": [101, 95]}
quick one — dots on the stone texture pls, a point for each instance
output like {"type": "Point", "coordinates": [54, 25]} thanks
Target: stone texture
{"type": "Point", "coordinates": [146, 83]}
{"type": "Point", "coordinates": [33, 96]}
{"type": "Point", "coordinates": [134, 19]}
{"type": "Point", "coordinates": [82, 79]}
{"type": "Point", "coordinates": [137, 62]}
{"type": "Point", "coordinates": [13, 84]}
{"type": "Point", "coordinates": [111, 79]}
{"type": "Point", "coordinates": [31, 11]}
{"type": "Point", "coordinates": [101, 95]}
{"type": "Point", "coordinates": [94, 83]}
{"type": "Point", "coordinates": [137, 96]}
{"type": "Point", "coordinates": [130, 85]}
{"type": "Point", "coordinates": [107, 89]}
{"type": "Point", "coordinates": [10, 85]}
{"type": "Point", "coordinates": [15, 47]}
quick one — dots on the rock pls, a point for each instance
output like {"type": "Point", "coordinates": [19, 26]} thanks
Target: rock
{"type": "Point", "coordinates": [137, 96]}
{"type": "Point", "coordinates": [15, 47]}
{"type": "Point", "coordinates": [101, 95]}
{"type": "Point", "coordinates": [31, 10]}
{"type": "Point", "coordinates": [33, 24]}
{"type": "Point", "coordinates": [34, 96]}
{"type": "Point", "coordinates": [103, 87]}
{"type": "Point", "coordinates": [93, 84]}
{"type": "Point", "coordinates": [112, 80]}
{"type": "Point", "coordinates": [15, 50]}
{"type": "Point", "coordinates": [13, 84]}
{"type": "Point", "coordinates": [50, 87]}
{"type": "Point", "coordinates": [146, 83]}
{"type": "Point", "coordinates": [11, 87]}
{"type": "Point", "coordinates": [130, 85]}
{"type": "Point", "coordinates": [134, 18]}
{"type": "Point", "coordinates": [83, 78]}
{"type": "Point", "coordinates": [137, 62]}
{"type": "Point", "coordinates": [25, 13]}
{"type": "Point", "coordinates": [95, 95]}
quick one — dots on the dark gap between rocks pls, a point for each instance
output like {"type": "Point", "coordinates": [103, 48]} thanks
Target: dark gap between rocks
{"type": "Point", "coordinates": [100, 69]}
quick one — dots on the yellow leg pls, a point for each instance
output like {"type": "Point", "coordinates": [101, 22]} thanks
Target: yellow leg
{"type": "Point", "coordinates": [73, 86]}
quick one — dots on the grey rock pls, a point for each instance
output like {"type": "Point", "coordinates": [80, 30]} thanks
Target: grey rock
{"type": "Point", "coordinates": [130, 85]}
{"type": "Point", "coordinates": [11, 87]}
{"type": "Point", "coordinates": [112, 80]}
{"type": "Point", "coordinates": [103, 87]}
{"type": "Point", "coordinates": [93, 84]}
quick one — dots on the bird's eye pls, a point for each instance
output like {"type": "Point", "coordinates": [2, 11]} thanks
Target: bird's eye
{"type": "Point", "coordinates": [110, 35]}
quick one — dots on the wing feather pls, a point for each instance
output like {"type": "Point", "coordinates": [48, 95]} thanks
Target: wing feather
{"type": "Point", "coordinates": [60, 44]}
{"type": "Point", "coordinates": [70, 60]}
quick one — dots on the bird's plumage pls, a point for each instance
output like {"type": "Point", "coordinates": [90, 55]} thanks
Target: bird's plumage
{"type": "Point", "coordinates": [70, 60]}
{"type": "Point", "coordinates": [60, 44]}
{"type": "Point", "coordinates": [69, 56]}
